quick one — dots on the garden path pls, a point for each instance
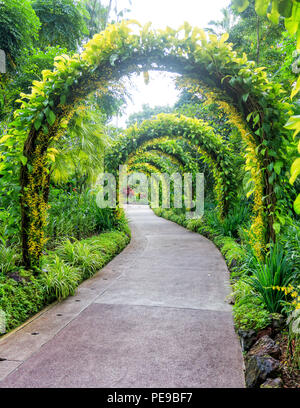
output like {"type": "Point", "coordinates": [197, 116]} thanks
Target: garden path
{"type": "Point", "coordinates": [155, 316]}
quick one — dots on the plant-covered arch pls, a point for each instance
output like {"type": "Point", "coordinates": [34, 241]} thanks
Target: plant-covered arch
{"type": "Point", "coordinates": [214, 152]}
{"type": "Point", "coordinates": [165, 163]}
{"type": "Point", "coordinates": [119, 51]}
{"type": "Point", "coordinates": [179, 149]}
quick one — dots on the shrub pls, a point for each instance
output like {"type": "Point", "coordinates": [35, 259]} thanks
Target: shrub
{"type": "Point", "coordinates": [60, 279]}
{"type": "Point", "coordinates": [9, 259]}
{"type": "Point", "coordinates": [20, 300]}
{"type": "Point", "coordinates": [74, 215]}
{"type": "Point", "coordinates": [194, 224]}
{"type": "Point", "coordinates": [249, 311]}
{"type": "Point", "coordinates": [278, 270]}
{"type": "Point", "coordinates": [230, 225]}
{"type": "Point", "coordinates": [232, 251]}
{"type": "Point", "coordinates": [82, 255]}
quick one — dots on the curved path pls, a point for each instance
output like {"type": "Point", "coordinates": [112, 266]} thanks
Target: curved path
{"type": "Point", "coordinates": [155, 316]}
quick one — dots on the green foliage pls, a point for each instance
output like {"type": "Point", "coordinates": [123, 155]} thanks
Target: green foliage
{"type": "Point", "coordinates": [97, 16]}
{"type": "Point", "coordinates": [78, 154]}
{"type": "Point", "coordinates": [277, 271]}
{"type": "Point", "coordinates": [76, 215]}
{"type": "Point", "coordinates": [288, 9]}
{"type": "Point", "coordinates": [60, 279]}
{"type": "Point", "coordinates": [75, 261]}
{"type": "Point", "coordinates": [62, 23]}
{"type": "Point", "coordinates": [191, 105]}
{"type": "Point", "coordinates": [20, 300]}
{"type": "Point", "coordinates": [9, 259]}
{"type": "Point", "coordinates": [230, 225]}
{"type": "Point", "coordinates": [259, 38]}
{"type": "Point", "coordinates": [290, 241]}
{"type": "Point", "coordinates": [194, 224]}
{"type": "Point", "coordinates": [249, 310]}
{"type": "Point", "coordinates": [9, 219]}
{"type": "Point", "coordinates": [63, 270]}
{"type": "Point", "coordinates": [30, 64]}
{"type": "Point", "coordinates": [285, 8]}
{"type": "Point", "coordinates": [147, 113]}
{"type": "Point", "coordinates": [18, 28]}
{"type": "Point", "coordinates": [79, 254]}
{"type": "Point", "coordinates": [233, 252]}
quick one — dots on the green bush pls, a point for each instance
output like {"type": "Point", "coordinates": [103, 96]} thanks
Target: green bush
{"type": "Point", "coordinates": [62, 271]}
{"type": "Point", "coordinates": [60, 279]}
{"type": "Point", "coordinates": [194, 224]}
{"type": "Point", "coordinates": [82, 255]}
{"type": "Point", "coordinates": [75, 215]}
{"type": "Point", "coordinates": [249, 311]}
{"type": "Point", "coordinates": [20, 300]}
{"type": "Point", "coordinates": [9, 259]}
{"type": "Point", "coordinates": [229, 226]}
{"type": "Point", "coordinates": [232, 251]}
{"type": "Point", "coordinates": [277, 270]}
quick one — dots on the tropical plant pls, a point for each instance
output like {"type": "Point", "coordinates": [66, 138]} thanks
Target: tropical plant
{"type": "Point", "coordinates": [75, 215]}
{"type": "Point", "coordinates": [277, 271]}
{"type": "Point", "coordinates": [249, 310]}
{"type": "Point", "coordinates": [9, 259]}
{"type": "Point", "coordinates": [79, 153]}
{"type": "Point", "coordinates": [222, 26]}
{"type": "Point", "coordinates": [60, 279]}
{"type": "Point", "coordinates": [62, 23]}
{"type": "Point", "coordinates": [19, 27]}
{"type": "Point", "coordinates": [289, 9]}
{"type": "Point", "coordinates": [85, 256]}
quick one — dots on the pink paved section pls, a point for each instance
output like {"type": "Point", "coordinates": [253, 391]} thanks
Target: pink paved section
{"type": "Point", "coordinates": [155, 316]}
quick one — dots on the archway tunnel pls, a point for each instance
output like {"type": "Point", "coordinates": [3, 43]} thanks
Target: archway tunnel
{"type": "Point", "coordinates": [242, 90]}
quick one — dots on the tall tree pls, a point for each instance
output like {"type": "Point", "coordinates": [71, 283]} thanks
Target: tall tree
{"type": "Point", "coordinates": [19, 26]}
{"type": "Point", "coordinates": [62, 23]}
{"type": "Point", "coordinates": [225, 25]}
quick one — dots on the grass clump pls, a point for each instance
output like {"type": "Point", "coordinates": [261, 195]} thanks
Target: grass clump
{"type": "Point", "coordinates": [60, 279]}
{"type": "Point", "coordinates": [62, 271]}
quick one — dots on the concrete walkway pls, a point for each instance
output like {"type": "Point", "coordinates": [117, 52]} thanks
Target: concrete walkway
{"type": "Point", "coordinates": [155, 316]}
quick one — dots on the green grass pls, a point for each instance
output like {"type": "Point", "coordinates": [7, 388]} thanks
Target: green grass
{"type": "Point", "coordinates": [62, 271]}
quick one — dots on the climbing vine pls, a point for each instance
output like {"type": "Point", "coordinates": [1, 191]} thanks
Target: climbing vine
{"type": "Point", "coordinates": [120, 50]}
{"type": "Point", "coordinates": [212, 149]}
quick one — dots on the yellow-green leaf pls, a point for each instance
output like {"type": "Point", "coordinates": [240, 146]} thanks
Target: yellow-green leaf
{"type": "Point", "coordinates": [261, 7]}
{"type": "Point", "coordinates": [296, 88]}
{"type": "Point", "coordinates": [295, 170]}
{"type": "Point", "coordinates": [4, 138]}
{"type": "Point", "coordinates": [297, 204]}
{"type": "Point", "coordinates": [224, 37]}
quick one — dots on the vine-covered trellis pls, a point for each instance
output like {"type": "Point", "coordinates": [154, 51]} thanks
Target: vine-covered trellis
{"type": "Point", "coordinates": [214, 152]}
{"type": "Point", "coordinates": [237, 84]}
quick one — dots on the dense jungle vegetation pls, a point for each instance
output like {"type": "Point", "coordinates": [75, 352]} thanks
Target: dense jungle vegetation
{"type": "Point", "coordinates": [239, 126]}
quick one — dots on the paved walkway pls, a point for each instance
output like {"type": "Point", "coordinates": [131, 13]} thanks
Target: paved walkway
{"type": "Point", "coordinates": [155, 316]}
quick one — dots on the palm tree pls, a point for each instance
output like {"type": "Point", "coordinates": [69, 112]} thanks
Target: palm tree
{"type": "Point", "coordinates": [79, 153]}
{"type": "Point", "coordinates": [223, 26]}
